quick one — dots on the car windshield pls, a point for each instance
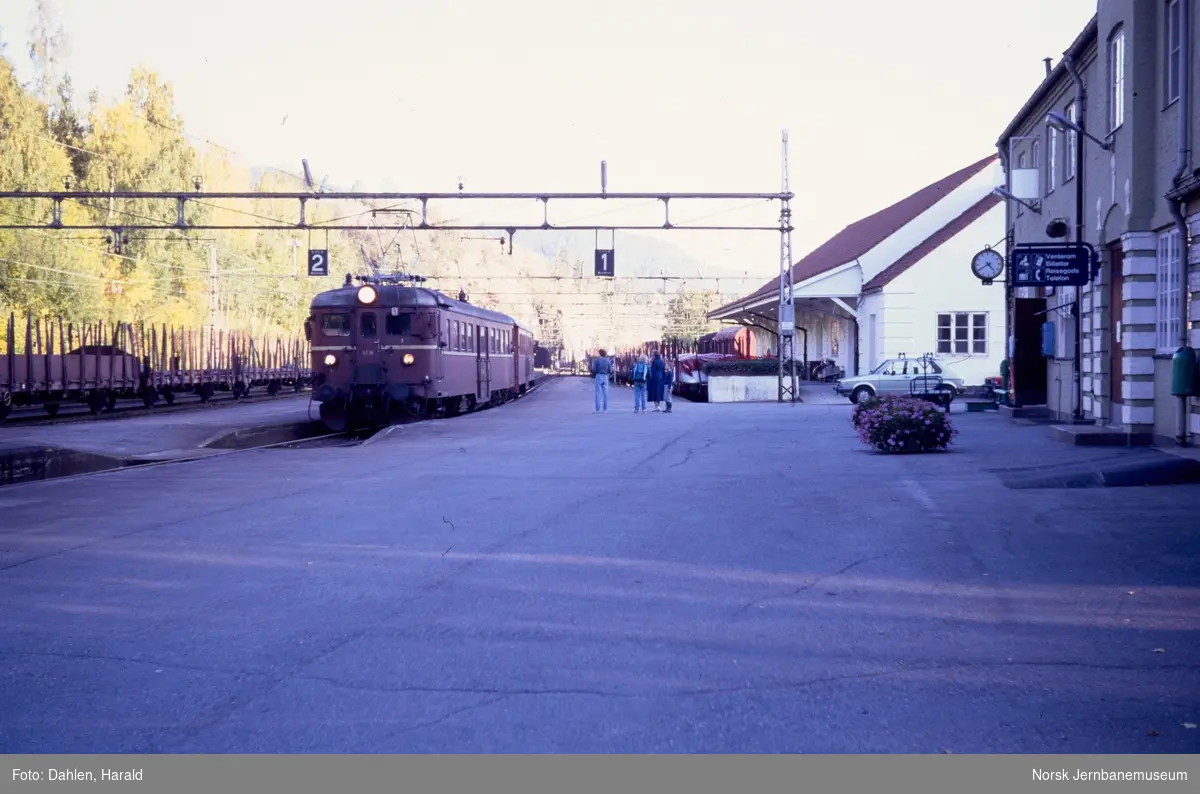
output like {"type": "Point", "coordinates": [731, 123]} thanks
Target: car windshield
{"type": "Point", "coordinates": [914, 367]}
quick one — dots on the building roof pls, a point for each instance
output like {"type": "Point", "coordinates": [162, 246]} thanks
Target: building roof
{"type": "Point", "coordinates": [861, 236]}
{"type": "Point", "coordinates": [932, 243]}
{"type": "Point", "coordinates": [1085, 39]}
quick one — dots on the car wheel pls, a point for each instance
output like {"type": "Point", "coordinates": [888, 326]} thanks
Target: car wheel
{"type": "Point", "coordinates": [860, 395]}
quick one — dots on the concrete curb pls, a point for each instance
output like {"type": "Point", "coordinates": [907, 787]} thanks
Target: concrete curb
{"type": "Point", "coordinates": [1141, 470]}
{"type": "Point", "coordinates": [386, 432]}
{"type": "Point", "coordinates": [265, 435]}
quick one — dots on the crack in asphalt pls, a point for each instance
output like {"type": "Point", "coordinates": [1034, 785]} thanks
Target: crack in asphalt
{"type": "Point", "coordinates": [813, 583]}
{"type": "Point", "coordinates": [672, 442]}
{"type": "Point", "coordinates": [692, 451]}
{"type": "Point", "coordinates": [450, 715]}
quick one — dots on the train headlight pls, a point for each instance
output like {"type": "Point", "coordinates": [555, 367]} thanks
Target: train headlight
{"type": "Point", "coordinates": [330, 360]}
{"type": "Point", "coordinates": [408, 359]}
{"type": "Point", "coordinates": [366, 294]}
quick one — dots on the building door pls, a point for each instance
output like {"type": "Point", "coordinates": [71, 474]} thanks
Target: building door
{"type": "Point", "coordinates": [1028, 367]}
{"type": "Point", "coordinates": [370, 368]}
{"type": "Point", "coordinates": [1116, 354]}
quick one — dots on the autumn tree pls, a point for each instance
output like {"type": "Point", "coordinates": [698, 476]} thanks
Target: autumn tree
{"type": "Point", "coordinates": [687, 315]}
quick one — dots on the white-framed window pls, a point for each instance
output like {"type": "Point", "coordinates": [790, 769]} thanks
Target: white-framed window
{"type": "Point", "coordinates": [1168, 291]}
{"type": "Point", "coordinates": [1072, 142]}
{"type": "Point", "coordinates": [1051, 160]}
{"type": "Point", "coordinates": [1020, 166]}
{"type": "Point", "coordinates": [1116, 79]}
{"type": "Point", "coordinates": [962, 333]}
{"type": "Point", "coordinates": [1174, 52]}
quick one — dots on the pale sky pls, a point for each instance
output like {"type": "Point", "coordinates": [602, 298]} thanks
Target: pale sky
{"type": "Point", "coordinates": [880, 98]}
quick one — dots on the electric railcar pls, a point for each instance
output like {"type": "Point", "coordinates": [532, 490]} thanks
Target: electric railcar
{"type": "Point", "coordinates": [384, 348]}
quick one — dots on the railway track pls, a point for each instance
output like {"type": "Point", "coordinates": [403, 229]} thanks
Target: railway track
{"type": "Point", "coordinates": [69, 413]}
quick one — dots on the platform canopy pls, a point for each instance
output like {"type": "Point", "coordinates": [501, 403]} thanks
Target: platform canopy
{"type": "Point", "coordinates": [831, 279]}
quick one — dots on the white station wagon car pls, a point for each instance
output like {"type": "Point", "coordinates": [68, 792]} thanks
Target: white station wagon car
{"type": "Point", "coordinates": [895, 377]}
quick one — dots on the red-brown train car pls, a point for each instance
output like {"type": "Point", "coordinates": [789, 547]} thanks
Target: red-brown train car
{"type": "Point", "coordinates": [383, 345]}
{"type": "Point", "coordinates": [736, 340]}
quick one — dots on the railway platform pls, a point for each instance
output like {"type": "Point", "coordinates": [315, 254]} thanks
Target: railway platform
{"type": "Point", "coordinates": [539, 578]}
{"type": "Point", "coordinates": [51, 450]}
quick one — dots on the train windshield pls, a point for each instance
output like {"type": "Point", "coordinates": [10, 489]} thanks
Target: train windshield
{"type": "Point", "coordinates": [335, 325]}
{"type": "Point", "coordinates": [399, 324]}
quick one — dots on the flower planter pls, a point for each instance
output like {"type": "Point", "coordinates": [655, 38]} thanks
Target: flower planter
{"type": "Point", "coordinates": [903, 426]}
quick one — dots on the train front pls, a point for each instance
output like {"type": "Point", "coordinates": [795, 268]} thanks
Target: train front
{"type": "Point", "coordinates": [370, 351]}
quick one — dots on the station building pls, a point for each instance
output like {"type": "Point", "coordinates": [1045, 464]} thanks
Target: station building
{"type": "Point", "coordinates": [1130, 79]}
{"type": "Point", "coordinates": [898, 282]}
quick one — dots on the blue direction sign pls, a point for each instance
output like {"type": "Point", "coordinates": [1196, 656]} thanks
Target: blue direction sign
{"type": "Point", "coordinates": [1062, 265]}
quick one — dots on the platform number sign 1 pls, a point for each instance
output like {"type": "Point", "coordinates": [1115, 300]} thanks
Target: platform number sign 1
{"type": "Point", "coordinates": [604, 262]}
{"type": "Point", "coordinates": [318, 262]}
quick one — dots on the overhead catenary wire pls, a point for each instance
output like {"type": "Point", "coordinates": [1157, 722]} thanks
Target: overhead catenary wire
{"type": "Point", "coordinates": [244, 276]}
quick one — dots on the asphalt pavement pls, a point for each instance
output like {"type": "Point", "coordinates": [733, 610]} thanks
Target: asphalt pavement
{"type": "Point", "coordinates": [539, 578]}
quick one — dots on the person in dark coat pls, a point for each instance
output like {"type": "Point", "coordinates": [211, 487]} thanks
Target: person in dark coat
{"type": "Point", "coordinates": [654, 384]}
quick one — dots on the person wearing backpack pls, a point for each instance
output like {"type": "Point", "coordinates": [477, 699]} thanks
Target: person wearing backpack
{"type": "Point", "coordinates": [641, 371]}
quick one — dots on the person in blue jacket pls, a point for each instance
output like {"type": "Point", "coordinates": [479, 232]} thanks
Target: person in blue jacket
{"type": "Point", "coordinates": [654, 384]}
{"type": "Point", "coordinates": [638, 376]}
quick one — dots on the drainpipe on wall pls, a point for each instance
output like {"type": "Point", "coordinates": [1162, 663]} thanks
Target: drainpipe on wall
{"type": "Point", "coordinates": [1009, 292]}
{"type": "Point", "coordinates": [1081, 101]}
{"type": "Point", "coordinates": [1183, 156]}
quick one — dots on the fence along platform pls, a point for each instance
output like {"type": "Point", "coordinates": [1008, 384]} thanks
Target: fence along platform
{"type": "Point", "coordinates": [100, 363]}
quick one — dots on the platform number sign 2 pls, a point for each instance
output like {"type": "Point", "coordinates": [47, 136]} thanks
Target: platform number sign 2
{"type": "Point", "coordinates": [604, 262]}
{"type": "Point", "coordinates": [318, 262]}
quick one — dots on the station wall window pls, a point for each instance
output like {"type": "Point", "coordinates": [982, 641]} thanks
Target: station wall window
{"type": "Point", "coordinates": [1116, 79]}
{"type": "Point", "coordinates": [962, 333]}
{"type": "Point", "coordinates": [1072, 142]}
{"type": "Point", "coordinates": [1167, 306]}
{"type": "Point", "coordinates": [1173, 51]}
